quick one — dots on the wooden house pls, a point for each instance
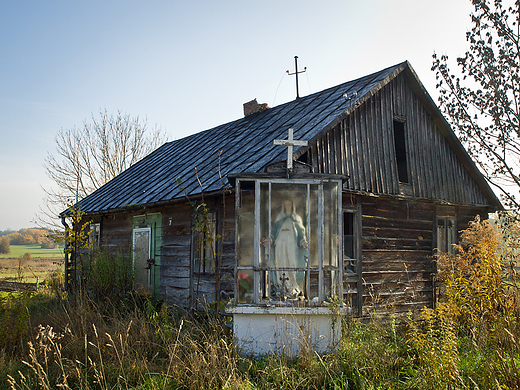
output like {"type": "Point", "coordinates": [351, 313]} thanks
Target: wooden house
{"type": "Point", "coordinates": [383, 180]}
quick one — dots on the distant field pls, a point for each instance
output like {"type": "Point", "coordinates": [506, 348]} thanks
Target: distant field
{"type": "Point", "coordinates": [37, 267]}
{"type": "Point", "coordinates": [34, 250]}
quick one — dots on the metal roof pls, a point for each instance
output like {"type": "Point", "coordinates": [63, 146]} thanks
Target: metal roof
{"type": "Point", "coordinates": [244, 145]}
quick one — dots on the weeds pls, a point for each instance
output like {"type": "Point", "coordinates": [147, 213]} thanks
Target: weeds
{"type": "Point", "coordinates": [469, 341]}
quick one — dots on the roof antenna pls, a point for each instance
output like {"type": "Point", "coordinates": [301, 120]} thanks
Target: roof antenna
{"type": "Point", "coordinates": [296, 73]}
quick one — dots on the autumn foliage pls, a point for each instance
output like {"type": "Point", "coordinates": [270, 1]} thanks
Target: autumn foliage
{"type": "Point", "coordinates": [477, 310]}
{"type": "Point", "coordinates": [29, 237]}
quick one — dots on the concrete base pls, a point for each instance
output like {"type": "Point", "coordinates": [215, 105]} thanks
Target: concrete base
{"type": "Point", "coordinates": [285, 331]}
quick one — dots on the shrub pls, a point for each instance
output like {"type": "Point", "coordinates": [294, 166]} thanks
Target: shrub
{"type": "Point", "coordinates": [48, 244]}
{"type": "Point", "coordinates": [5, 247]}
{"type": "Point", "coordinates": [475, 317]}
{"type": "Point", "coordinates": [106, 274]}
{"type": "Point", "coordinates": [474, 280]}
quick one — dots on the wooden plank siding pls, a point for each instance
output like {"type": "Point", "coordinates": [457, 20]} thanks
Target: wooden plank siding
{"type": "Point", "coordinates": [176, 254]}
{"type": "Point", "coordinates": [398, 241]}
{"type": "Point", "coordinates": [366, 145]}
{"type": "Point", "coordinates": [397, 245]}
{"type": "Point", "coordinates": [179, 283]}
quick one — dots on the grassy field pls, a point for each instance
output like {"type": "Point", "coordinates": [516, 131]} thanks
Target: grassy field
{"type": "Point", "coordinates": [34, 250]}
{"type": "Point", "coordinates": [11, 270]}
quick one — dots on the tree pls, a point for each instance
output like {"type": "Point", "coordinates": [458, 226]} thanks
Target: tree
{"type": "Point", "coordinates": [5, 248]}
{"type": "Point", "coordinates": [88, 157]}
{"type": "Point", "coordinates": [47, 243]}
{"type": "Point", "coordinates": [482, 101]}
{"type": "Point", "coordinates": [15, 238]}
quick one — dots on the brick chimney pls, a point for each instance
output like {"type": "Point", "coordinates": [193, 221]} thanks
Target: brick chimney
{"type": "Point", "coordinates": [253, 107]}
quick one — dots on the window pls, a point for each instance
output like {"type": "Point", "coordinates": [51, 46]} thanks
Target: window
{"type": "Point", "coordinates": [288, 240]}
{"type": "Point", "coordinates": [204, 243]}
{"type": "Point", "coordinates": [349, 244]}
{"type": "Point", "coordinates": [352, 281]}
{"type": "Point", "coordinates": [94, 235]}
{"type": "Point", "coordinates": [446, 234]}
{"type": "Point", "coordinates": [400, 151]}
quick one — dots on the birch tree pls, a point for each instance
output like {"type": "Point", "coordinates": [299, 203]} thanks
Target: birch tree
{"type": "Point", "coordinates": [481, 100]}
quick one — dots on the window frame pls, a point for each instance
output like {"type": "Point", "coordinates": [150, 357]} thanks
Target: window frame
{"type": "Point", "coordinates": [94, 234]}
{"type": "Point", "coordinates": [401, 149]}
{"type": "Point", "coordinates": [450, 235]}
{"type": "Point", "coordinates": [353, 282]}
{"type": "Point", "coordinates": [261, 273]}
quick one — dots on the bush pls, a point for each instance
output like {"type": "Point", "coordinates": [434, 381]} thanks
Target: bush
{"type": "Point", "coordinates": [5, 247]}
{"type": "Point", "coordinates": [469, 339]}
{"type": "Point", "coordinates": [106, 274]}
{"type": "Point", "coordinates": [48, 244]}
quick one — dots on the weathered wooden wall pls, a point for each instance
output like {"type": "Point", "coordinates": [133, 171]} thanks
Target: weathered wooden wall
{"type": "Point", "coordinates": [179, 284]}
{"type": "Point", "coordinates": [176, 254]}
{"type": "Point", "coordinates": [116, 230]}
{"type": "Point", "coordinates": [362, 147]}
{"type": "Point", "coordinates": [397, 254]}
{"type": "Point", "coordinates": [398, 246]}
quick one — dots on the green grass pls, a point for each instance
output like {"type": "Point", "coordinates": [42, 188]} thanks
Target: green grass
{"type": "Point", "coordinates": [34, 250]}
{"type": "Point", "coordinates": [36, 267]}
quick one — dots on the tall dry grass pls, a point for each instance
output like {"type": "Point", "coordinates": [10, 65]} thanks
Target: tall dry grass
{"type": "Point", "coordinates": [469, 341]}
{"type": "Point", "coordinates": [76, 343]}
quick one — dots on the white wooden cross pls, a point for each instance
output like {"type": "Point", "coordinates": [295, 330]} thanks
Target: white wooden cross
{"type": "Point", "coordinates": [290, 143]}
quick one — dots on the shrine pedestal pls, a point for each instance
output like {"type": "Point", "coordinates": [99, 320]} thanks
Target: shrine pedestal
{"type": "Point", "coordinates": [261, 330]}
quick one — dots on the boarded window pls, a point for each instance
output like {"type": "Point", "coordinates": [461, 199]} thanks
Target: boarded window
{"type": "Point", "coordinates": [400, 151]}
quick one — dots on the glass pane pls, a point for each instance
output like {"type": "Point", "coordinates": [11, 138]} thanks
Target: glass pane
{"type": "Point", "coordinates": [264, 285]}
{"type": "Point", "coordinates": [330, 284]}
{"type": "Point", "coordinates": [141, 255]}
{"type": "Point", "coordinates": [350, 294]}
{"type": "Point", "coordinates": [264, 225]}
{"type": "Point", "coordinates": [204, 245]}
{"type": "Point", "coordinates": [441, 235]}
{"type": "Point", "coordinates": [246, 226]}
{"type": "Point", "coordinates": [289, 246]}
{"type": "Point", "coordinates": [348, 236]}
{"type": "Point", "coordinates": [288, 285]}
{"type": "Point", "coordinates": [313, 227]}
{"type": "Point", "coordinates": [349, 248]}
{"type": "Point", "coordinates": [245, 286]}
{"type": "Point", "coordinates": [330, 221]}
{"type": "Point", "coordinates": [451, 235]}
{"type": "Point", "coordinates": [313, 286]}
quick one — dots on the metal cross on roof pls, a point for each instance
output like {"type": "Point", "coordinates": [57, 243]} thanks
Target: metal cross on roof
{"type": "Point", "coordinates": [290, 142]}
{"type": "Point", "coordinates": [297, 73]}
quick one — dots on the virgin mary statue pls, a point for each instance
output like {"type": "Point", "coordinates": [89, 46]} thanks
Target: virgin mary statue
{"type": "Point", "coordinates": [290, 251]}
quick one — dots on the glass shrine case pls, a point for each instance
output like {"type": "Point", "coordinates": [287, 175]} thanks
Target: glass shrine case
{"type": "Point", "coordinates": [288, 241]}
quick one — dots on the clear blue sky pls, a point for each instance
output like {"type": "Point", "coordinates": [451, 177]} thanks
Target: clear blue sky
{"type": "Point", "coordinates": [188, 65]}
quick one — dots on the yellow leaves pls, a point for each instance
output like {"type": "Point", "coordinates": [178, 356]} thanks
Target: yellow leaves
{"type": "Point", "coordinates": [477, 294]}
{"type": "Point", "coordinates": [473, 280]}
{"type": "Point", "coordinates": [435, 341]}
